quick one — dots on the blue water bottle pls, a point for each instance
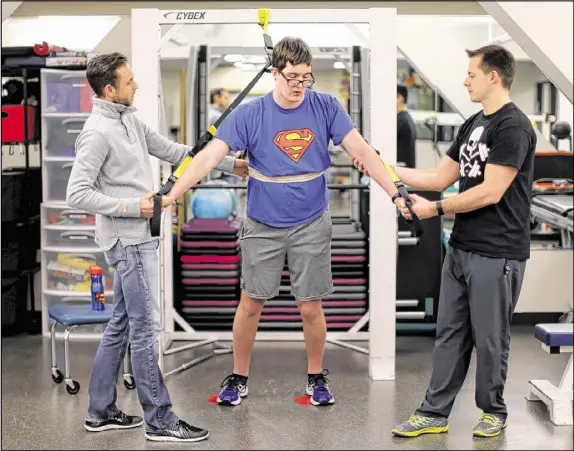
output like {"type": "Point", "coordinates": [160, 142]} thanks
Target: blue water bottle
{"type": "Point", "coordinates": [97, 288]}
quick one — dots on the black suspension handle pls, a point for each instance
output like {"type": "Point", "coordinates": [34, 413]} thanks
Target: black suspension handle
{"type": "Point", "coordinates": [414, 222]}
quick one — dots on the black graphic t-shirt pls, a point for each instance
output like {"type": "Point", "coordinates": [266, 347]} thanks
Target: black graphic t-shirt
{"type": "Point", "coordinates": [507, 138]}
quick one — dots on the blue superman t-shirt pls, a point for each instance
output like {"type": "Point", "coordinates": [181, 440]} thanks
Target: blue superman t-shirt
{"type": "Point", "coordinates": [284, 142]}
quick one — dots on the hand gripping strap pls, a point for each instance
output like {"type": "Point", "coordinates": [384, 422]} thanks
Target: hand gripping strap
{"type": "Point", "coordinates": [414, 222]}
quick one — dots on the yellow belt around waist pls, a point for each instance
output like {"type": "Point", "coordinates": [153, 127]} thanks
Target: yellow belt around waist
{"type": "Point", "coordinates": [283, 178]}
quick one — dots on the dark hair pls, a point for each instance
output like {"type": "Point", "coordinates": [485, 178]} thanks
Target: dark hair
{"type": "Point", "coordinates": [291, 50]}
{"type": "Point", "coordinates": [497, 58]}
{"type": "Point", "coordinates": [101, 71]}
{"type": "Point", "coordinates": [215, 92]}
{"type": "Point", "coordinates": [403, 91]}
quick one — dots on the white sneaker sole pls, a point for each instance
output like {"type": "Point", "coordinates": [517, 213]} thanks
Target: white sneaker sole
{"type": "Point", "coordinates": [110, 427]}
{"type": "Point", "coordinates": [167, 438]}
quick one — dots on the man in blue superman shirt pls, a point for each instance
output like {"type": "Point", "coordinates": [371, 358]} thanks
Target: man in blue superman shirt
{"type": "Point", "coordinates": [286, 134]}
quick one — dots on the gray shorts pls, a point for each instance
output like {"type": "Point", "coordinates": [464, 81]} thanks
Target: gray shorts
{"type": "Point", "coordinates": [306, 248]}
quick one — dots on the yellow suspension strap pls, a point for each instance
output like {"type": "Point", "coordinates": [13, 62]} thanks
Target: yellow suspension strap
{"type": "Point", "coordinates": [414, 222]}
{"type": "Point", "coordinates": [155, 221]}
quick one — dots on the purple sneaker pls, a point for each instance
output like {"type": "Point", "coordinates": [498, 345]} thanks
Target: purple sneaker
{"type": "Point", "coordinates": [234, 388]}
{"type": "Point", "coordinates": [318, 389]}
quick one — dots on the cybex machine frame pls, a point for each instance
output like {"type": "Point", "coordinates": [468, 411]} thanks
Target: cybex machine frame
{"type": "Point", "coordinates": [147, 42]}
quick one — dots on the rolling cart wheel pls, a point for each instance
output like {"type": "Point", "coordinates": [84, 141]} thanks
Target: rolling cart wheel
{"type": "Point", "coordinates": [73, 390]}
{"type": "Point", "coordinates": [57, 376]}
{"type": "Point", "coordinates": [129, 382]}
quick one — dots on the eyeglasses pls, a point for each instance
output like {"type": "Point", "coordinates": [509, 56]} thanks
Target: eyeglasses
{"type": "Point", "coordinates": [293, 82]}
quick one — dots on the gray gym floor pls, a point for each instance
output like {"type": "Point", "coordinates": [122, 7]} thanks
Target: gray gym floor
{"type": "Point", "coordinates": [38, 414]}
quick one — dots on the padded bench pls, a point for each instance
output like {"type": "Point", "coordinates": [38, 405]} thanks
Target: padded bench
{"type": "Point", "coordinates": [555, 339]}
{"type": "Point", "coordinates": [71, 316]}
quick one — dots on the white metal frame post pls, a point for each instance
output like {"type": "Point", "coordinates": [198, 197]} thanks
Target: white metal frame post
{"type": "Point", "coordinates": [146, 46]}
{"type": "Point", "coordinates": [145, 64]}
{"type": "Point", "coordinates": [383, 223]}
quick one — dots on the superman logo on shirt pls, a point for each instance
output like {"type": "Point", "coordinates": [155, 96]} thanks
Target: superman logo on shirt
{"type": "Point", "coordinates": [294, 142]}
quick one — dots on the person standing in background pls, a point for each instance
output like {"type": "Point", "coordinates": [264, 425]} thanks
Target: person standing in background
{"type": "Point", "coordinates": [218, 103]}
{"type": "Point", "coordinates": [406, 131]}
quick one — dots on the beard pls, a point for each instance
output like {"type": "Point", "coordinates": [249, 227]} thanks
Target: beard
{"type": "Point", "coordinates": [122, 101]}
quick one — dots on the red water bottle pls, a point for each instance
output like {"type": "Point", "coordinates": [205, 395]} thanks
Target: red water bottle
{"type": "Point", "coordinates": [97, 289]}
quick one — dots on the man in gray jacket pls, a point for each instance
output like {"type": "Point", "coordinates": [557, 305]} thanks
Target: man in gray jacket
{"type": "Point", "coordinates": [112, 178]}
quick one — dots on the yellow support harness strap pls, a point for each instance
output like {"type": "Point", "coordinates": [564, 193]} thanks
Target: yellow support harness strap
{"type": "Point", "coordinates": [155, 221]}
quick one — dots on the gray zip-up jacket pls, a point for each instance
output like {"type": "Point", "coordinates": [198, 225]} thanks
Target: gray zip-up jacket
{"type": "Point", "coordinates": [112, 171]}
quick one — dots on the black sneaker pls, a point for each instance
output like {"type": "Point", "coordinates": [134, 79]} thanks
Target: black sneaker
{"type": "Point", "coordinates": [118, 421]}
{"type": "Point", "coordinates": [179, 431]}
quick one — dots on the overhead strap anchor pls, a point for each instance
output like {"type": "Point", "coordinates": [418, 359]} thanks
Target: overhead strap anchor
{"type": "Point", "coordinates": [264, 23]}
{"type": "Point", "coordinates": [264, 18]}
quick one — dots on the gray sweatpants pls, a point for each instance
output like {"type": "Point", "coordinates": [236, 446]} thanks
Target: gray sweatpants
{"type": "Point", "coordinates": [477, 299]}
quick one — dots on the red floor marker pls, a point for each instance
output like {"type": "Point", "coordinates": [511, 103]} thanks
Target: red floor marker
{"type": "Point", "coordinates": [304, 400]}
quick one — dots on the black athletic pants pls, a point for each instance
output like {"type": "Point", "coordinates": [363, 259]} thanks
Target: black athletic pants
{"type": "Point", "coordinates": [477, 299]}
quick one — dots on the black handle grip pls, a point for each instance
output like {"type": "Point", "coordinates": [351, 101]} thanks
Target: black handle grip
{"type": "Point", "coordinates": [155, 221]}
{"type": "Point", "coordinates": [414, 222]}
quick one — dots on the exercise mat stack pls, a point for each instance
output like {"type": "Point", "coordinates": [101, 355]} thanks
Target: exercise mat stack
{"type": "Point", "coordinates": [210, 273]}
{"type": "Point", "coordinates": [347, 304]}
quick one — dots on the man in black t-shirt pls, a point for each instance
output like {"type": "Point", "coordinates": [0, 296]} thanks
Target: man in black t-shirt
{"type": "Point", "coordinates": [406, 131]}
{"type": "Point", "coordinates": [492, 157]}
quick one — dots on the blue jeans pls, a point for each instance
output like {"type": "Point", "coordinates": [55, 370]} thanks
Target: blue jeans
{"type": "Point", "coordinates": [135, 320]}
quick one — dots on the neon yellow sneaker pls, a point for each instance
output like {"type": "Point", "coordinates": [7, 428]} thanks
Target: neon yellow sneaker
{"type": "Point", "coordinates": [421, 424]}
{"type": "Point", "coordinates": [489, 425]}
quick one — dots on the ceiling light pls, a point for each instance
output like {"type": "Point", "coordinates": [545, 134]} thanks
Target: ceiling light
{"type": "Point", "coordinates": [232, 58]}
{"type": "Point", "coordinates": [76, 33]}
{"type": "Point", "coordinates": [257, 59]}
{"type": "Point", "coordinates": [248, 66]}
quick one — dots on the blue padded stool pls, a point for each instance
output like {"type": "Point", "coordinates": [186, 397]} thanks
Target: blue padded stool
{"type": "Point", "coordinates": [555, 339]}
{"type": "Point", "coordinates": [71, 316]}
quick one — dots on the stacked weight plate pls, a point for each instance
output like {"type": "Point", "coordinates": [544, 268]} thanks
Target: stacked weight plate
{"type": "Point", "coordinates": [347, 304]}
{"type": "Point", "coordinates": [210, 273]}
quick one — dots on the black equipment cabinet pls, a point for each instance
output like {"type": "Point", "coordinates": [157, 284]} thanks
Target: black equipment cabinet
{"type": "Point", "coordinates": [21, 197]}
{"type": "Point", "coordinates": [419, 266]}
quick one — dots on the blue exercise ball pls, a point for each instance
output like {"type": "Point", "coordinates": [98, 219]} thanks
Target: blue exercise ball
{"type": "Point", "coordinates": [211, 204]}
{"type": "Point", "coordinates": [233, 196]}
{"type": "Point", "coordinates": [231, 192]}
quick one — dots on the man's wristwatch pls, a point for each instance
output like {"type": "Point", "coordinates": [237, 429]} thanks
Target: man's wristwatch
{"type": "Point", "coordinates": [397, 194]}
{"type": "Point", "coordinates": [439, 208]}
